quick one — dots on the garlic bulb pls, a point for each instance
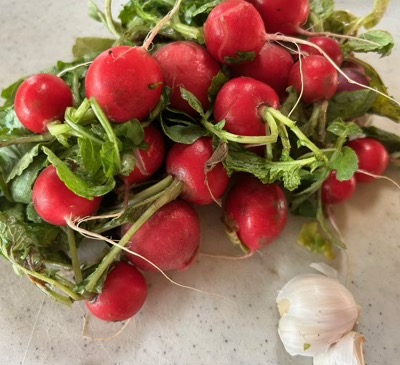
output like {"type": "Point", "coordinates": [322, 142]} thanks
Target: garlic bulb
{"type": "Point", "coordinates": [316, 311]}
{"type": "Point", "coordinates": [348, 351]}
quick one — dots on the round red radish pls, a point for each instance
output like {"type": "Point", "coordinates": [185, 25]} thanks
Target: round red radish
{"type": "Point", "coordinates": [127, 82]}
{"type": "Point", "coordinates": [316, 77]}
{"type": "Point", "coordinates": [239, 103]}
{"type": "Point", "coordinates": [149, 160]}
{"type": "Point", "coordinates": [188, 65]}
{"type": "Point", "coordinates": [335, 191]}
{"type": "Point", "coordinates": [233, 31]}
{"type": "Point", "coordinates": [271, 66]}
{"type": "Point", "coordinates": [329, 45]}
{"type": "Point", "coordinates": [41, 99]}
{"type": "Point", "coordinates": [257, 212]}
{"type": "Point", "coordinates": [372, 158]}
{"type": "Point", "coordinates": [123, 295]}
{"type": "Point", "coordinates": [169, 239]}
{"type": "Point", "coordinates": [187, 163]}
{"type": "Point", "coordinates": [55, 203]}
{"type": "Point", "coordinates": [283, 16]}
{"type": "Point", "coordinates": [354, 75]}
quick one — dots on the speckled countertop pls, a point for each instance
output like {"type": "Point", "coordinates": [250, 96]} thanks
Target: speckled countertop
{"type": "Point", "coordinates": [178, 326]}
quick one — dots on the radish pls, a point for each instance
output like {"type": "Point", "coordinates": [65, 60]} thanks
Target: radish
{"type": "Point", "coordinates": [123, 295]}
{"type": "Point", "coordinates": [271, 66]}
{"type": "Point", "coordinates": [329, 45]}
{"type": "Point", "coordinates": [315, 78]}
{"type": "Point", "coordinates": [355, 75]}
{"type": "Point", "coordinates": [169, 239]}
{"type": "Point", "coordinates": [149, 160]}
{"type": "Point", "coordinates": [188, 65]}
{"type": "Point", "coordinates": [283, 16]}
{"type": "Point", "coordinates": [239, 103]}
{"type": "Point", "coordinates": [55, 203]}
{"type": "Point", "coordinates": [255, 212]}
{"type": "Point", "coordinates": [188, 164]}
{"type": "Point", "coordinates": [41, 99]}
{"type": "Point", "coordinates": [373, 158]}
{"type": "Point", "coordinates": [127, 82]}
{"type": "Point", "coordinates": [334, 191]}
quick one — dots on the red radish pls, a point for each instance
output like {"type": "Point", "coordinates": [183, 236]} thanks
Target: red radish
{"type": "Point", "coordinates": [41, 99]}
{"type": "Point", "coordinates": [283, 16]}
{"type": "Point", "coordinates": [257, 212]}
{"type": "Point", "coordinates": [187, 163]}
{"type": "Point", "coordinates": [127, 82]}
{"type": "Point", "coordinates": [188, 65]}
{"type": "Point", "coordinates": [234, 30]}
{"type": "Point", "coordinates": [316, 77]}
{"type": "Point", "coordinates": [239, 103]}
{"type": "Point", "coordinates": [329, 45]}
{"type": "Point", "coordinates": [335, 191]}
{"type": "Point", "coordinates": [148, 161]}
{"type": "Point", "coordinates": [123, 295]}
{"type": "Point", "coordinates": [353, 74]}
{"type": "Point", "coordinates": [271, 66]}
{"type": "Point", "coordinates": [372, 158]}
{"type": "Point", "coordinates": [169, 239]}
{"type": "Point", "coordinates": [55, 203]}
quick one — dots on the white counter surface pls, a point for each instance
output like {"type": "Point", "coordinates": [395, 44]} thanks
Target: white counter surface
{"type": "Point", "coordinates": [179, 326]}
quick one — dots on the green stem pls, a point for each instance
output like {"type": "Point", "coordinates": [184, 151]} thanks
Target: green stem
{"type": "Point", "coordinates": [81, 132]}
{"type": "Point", "coordinates": [109, 19]}
{"type": "Point", "coordinates": [188, 31]}
{"type": "Point", "coordinates": [171, 193]}
{"type": "Point", "coordinates": [74, 255]}
{"type": "Point", "coordinates": [37, 138]}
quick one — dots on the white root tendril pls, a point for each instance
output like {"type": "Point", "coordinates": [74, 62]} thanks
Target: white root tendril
{"type": "Point", "coordinates": [379, 177]}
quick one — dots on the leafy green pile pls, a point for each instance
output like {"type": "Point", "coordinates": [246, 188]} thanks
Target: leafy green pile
{"type": "Point", "coordinates": [90, 153]}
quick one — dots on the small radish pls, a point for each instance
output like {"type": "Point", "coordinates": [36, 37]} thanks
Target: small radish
{"type": "Point", "coordinates": [169, 239]}
{"type": "Point", "coordinates": [256, 212]}
{"type": "Point", "coordinates": [41, 99]}
{"type": "Point", "coordinates": [149, 160]}
{"type": "Point", "coordinates": [283, 16]}
{"type": "Point", "coordinates": [188, 65]}
{"type": "Point", "coordinates": [355, 75]}
{"type": "Point", "coordinates": [335, 191]}
{"type": "Point", "coordinates": [315, 77]}
{"type": "Point", "coordinates": [271, 66]}
{"type": "Point", "coordinates": [123, 295]}
{"type": "Point", "coordinates": [187, 163]}
{"type": "Point", "coordinates": [239, 103]}
{"type": "Point", "coordinates": [372, 158]}
{"type": "Point", "coordinates": [127, 82]}
{"type": "Point", "coordinates": [55, 203]}
{"type": "Point", "coordinates": [329, 45]}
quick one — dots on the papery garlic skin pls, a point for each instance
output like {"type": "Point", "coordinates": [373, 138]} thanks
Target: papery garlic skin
{"type": "Point", "coordinates": [316, 311]}
{"type": "Point", "coordinates": [348, 351]}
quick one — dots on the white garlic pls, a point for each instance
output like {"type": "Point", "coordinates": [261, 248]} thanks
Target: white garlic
{"type": "Point", "coordinates": [348, 351]}
{"type": "Point", "coordinates": [316, 311]}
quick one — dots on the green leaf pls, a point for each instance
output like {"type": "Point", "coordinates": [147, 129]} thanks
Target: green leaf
{"type": "Point", "coordinates": [372, 19]}
{"type": "Point", "coordinates": [345, 164]}
{"type": "Point", "coordinates": [344, 129]}
{"type": "Point", "coordinates": [9, 93]}
{"type": "Point", "coordinates": [90, 153]}
{"type": "Point", "coordinates": [377, 41]}
{"type": "Point", "coordinates": [391, 141]}
{"type": "Point", "coordinates": [183, 132]}
{"type": "Point", "coordinates": [240, 57]}
{"type": "Point", "coordinates": [131, 134]}
{"type": "Point", "coordinates": [23, 162]}
{"type": "Point", "coordinates": [217, 82]}
{"type": "Point", "coordinates": [312, 238]}
{"type": "Point", "coordinates": [9, 124]}
{"type": "Point", "coordinates": [322, 8]}
{"type": "Point", "coordinates": [90, 46]}
{"type": "Point", "coordinates": [109, 159]}
{"type": "Point", "coordinates": [192, 100]}
{"type": "Point", "coordinates": [339, 21]}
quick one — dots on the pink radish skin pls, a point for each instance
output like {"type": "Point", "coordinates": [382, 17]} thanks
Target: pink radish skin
{"type": "Point", "coordinates": [55, 203]}
{"type": "Point", "coordinates": [334, 191]}
{"type": "Point", "coordinates": [169, 239]}
{"type": "Point", "coordinates": [187, 162]}
{"type": "Point", "coordinates": [232, 28]}
{"type": "Point", "coordinates": [329, 45]}
{"type": "Point", "coordinates": [188, 65]}
{"type": "Point", "coordinates": [239, 102]}
{"type": "Point", "coordinates": [355, 75]}
{"type": "Point", "coordinates": [127, 82]}
{"type": "Point", "coordinates": [41, 99]}
{"type": "Point", "coordinates": [148, 161]}
{"type": "Point", "coordinates": [256, 211]}
{"type": "Point", "coordinates": [123, 295]}
{"type": "Point", "coordinates": [271, 66]}
{"type": "Point", "coordinates": [320, 78]}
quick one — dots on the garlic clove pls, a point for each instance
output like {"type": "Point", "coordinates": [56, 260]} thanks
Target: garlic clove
{"type": "Point", "coordinates": [348, 351]}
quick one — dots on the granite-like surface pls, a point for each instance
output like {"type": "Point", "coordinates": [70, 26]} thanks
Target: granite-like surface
{"type": "Point", "coordinates": [179, 326]}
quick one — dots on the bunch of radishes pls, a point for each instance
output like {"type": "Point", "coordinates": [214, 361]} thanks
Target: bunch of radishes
{"type": "Point", "coordinates": [226, 97]}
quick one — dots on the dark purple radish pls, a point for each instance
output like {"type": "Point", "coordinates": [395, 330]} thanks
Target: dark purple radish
{"type": "Point", "coordinates": [283, 16]}
{"type": "Point", "coordinates": [188, 65]}
{"type": "Point", "coordinates": [315, 77]}
{"type": "Point", "coordinates": [255, 212]}
{"type": "Point", "coordinates": [354, 75]}
{"type": "Point", "coordinates": [169, 239]}
{"type": "Point", "coordinates": [187, 163]}
{"type": "Point", "coordinates": [271, 66]}
{"type": "Point", "coordinates": [239, 103]}
{"type": "Point", "coordinates": [234, 31]}
{"type": "Point", "coordinates": [329, 45]}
